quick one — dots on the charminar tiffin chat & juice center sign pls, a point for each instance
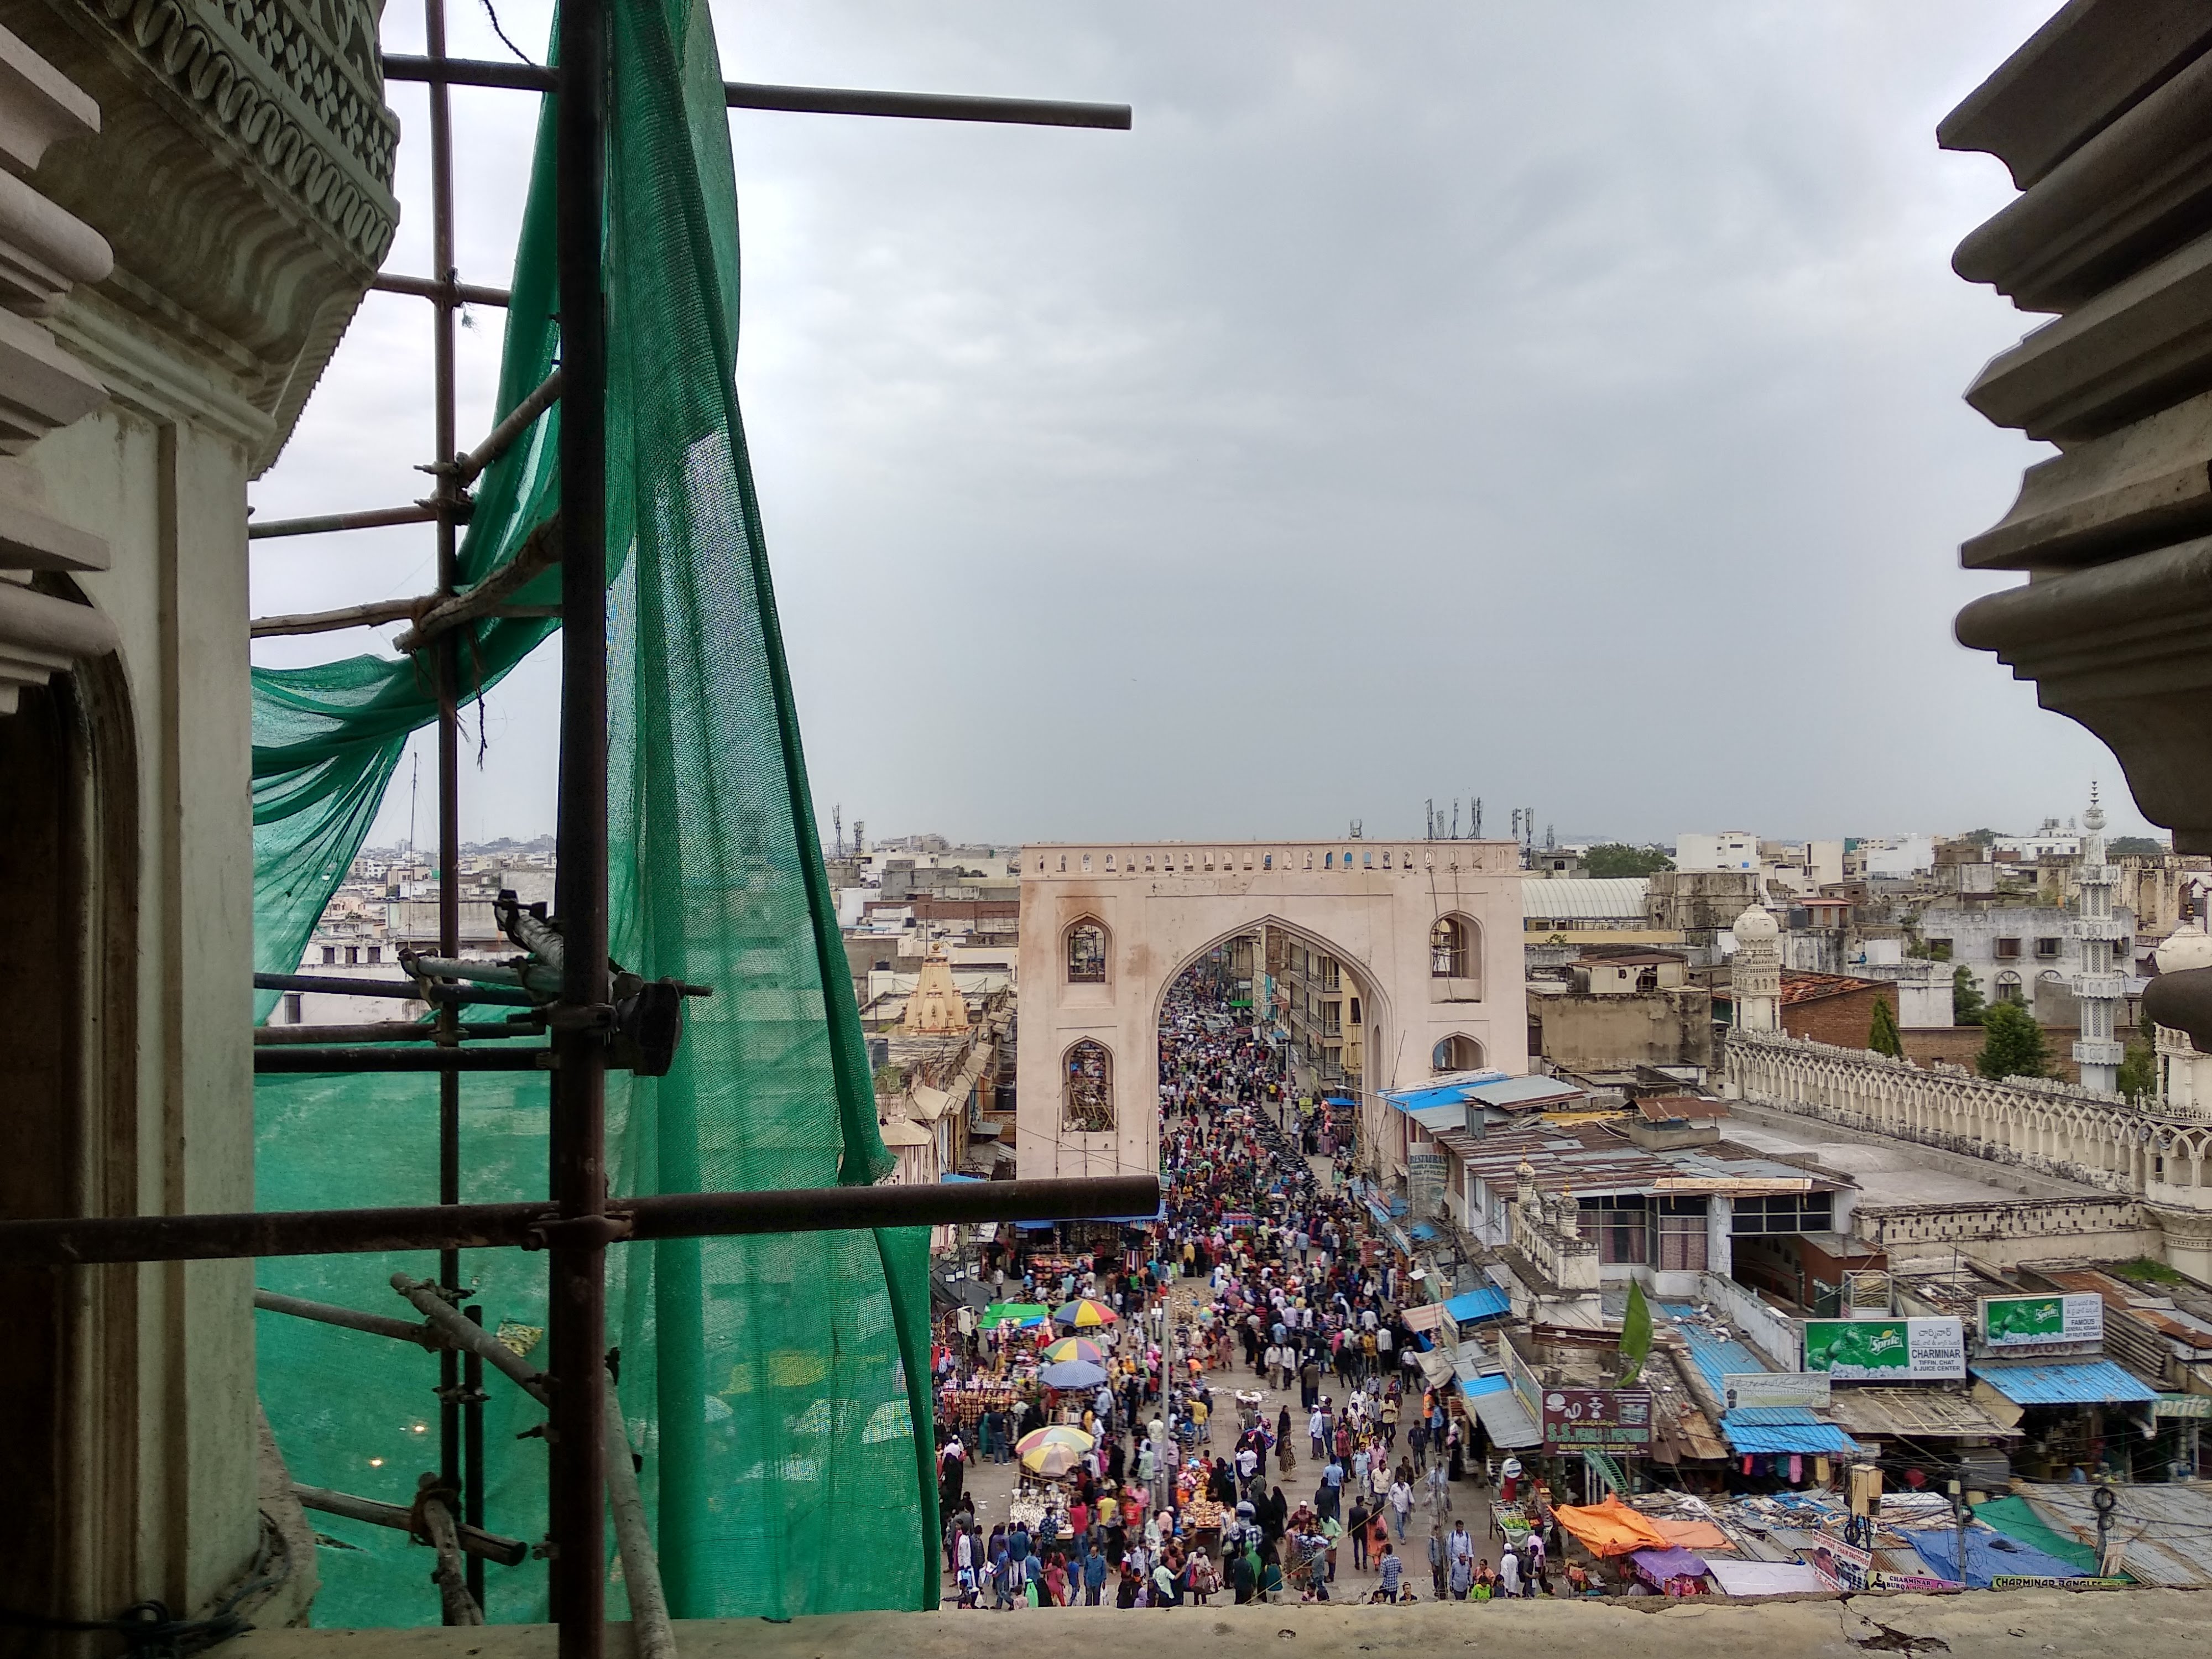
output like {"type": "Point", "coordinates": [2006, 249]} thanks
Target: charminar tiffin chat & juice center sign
{"type": "Point", "coordinates": [1886, 1350]}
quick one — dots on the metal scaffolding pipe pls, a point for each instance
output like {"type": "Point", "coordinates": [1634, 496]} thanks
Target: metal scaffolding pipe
{"type": "Point", "coordinates": [462, 1334]}
{"type": "Point", "coordinates": [352, 1319]}
{"type": "Point", "coordinates": [396, 990]}
{"type": "Point", "coordinates": [390, 1031]}
{"type": "Point", "coordinates": [501, 437]}
{"type": "Point", "coordinates": [466, 294]}
{"type": "Point", "coordinates": [507, 1551]}
{"type": "Point", "coordinates": [375, 518]}
{"type": "Point", "coordinates": [926, 106]}
{"type": "Point", "coordinates": [377, 1057]}
{"type": "Point", "coordinates": [76, 1240]}
{"type": "Point", "coordinates": [651, 1634]}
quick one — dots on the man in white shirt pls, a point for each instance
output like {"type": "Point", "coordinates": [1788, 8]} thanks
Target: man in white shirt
{"type": "Point", "coordinates": [1401, 1505]}
{"type": "Point", "coordinates": [1508, 1574]}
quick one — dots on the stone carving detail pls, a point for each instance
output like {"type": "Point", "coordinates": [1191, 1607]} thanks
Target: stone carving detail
{"type": "Point", "coordinates": [307, 108]}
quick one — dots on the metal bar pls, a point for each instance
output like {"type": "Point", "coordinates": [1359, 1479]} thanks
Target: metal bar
{"type": "Point", "coordinates": [576, 1499]}
{"type": "Point", "coordinates": [372, 615]}
{"type": "Point", "coordinates": [507, 1551]}
{"type": "Point", "coordinates": [470, 72]}
{"type": "Point", "coordinates": [501, 437]}
{"type": "Point", "coordinates": [389, 1030]}
{"type": "Point", "coordinates": [401, 990]}
{"type": "Point", "coordinates": [467, 293]}
{"type": "Point", "coordinates": [466, 1336]}
{"type": "Point", "coordinates": [445, 496]}
{"type": "Point", "coordinates": [452, 1579]}
{"type": "Point", "coordinates": [473, 1453]}
{"type": "Point", "coordinates": [375, 518]}
{"type": "Point", "coordinates": [78, 1240]}
{"type": "Point", "coordinates": [804, 100]}
{"type": "Point", "coordinates": [325, 1313]}
{"type": "Point", "coordinates": [377, 1058]}
{"type": "Point", "coordinates": [926, 106]}
{"type": "Point", "coordinates": [651, 1634]}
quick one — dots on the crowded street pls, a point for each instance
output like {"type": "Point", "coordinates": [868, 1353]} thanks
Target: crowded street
{"type": "Point", "coordinates": [1224, 1407]}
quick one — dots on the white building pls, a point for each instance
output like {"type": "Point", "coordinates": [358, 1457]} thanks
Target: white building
{"type": "Point", "coordinates": [1730, 849]}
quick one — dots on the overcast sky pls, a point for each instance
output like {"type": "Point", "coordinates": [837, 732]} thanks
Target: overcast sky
{"type": "Point", "coordinates": [1553, 402]}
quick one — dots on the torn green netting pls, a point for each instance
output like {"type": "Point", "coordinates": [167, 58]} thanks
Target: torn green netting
{"type": "Point", "coordinates": [773, 1386]}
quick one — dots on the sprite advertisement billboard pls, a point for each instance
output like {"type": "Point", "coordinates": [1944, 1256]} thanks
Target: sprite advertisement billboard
{"type": "Point", "coordinates": [1886, 1350]}
{"type": "Point", "coordinates": [2014, 1321]}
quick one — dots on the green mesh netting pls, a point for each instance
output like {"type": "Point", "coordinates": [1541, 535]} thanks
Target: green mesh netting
{"type": "Point", "coordinates": [772, 1385]}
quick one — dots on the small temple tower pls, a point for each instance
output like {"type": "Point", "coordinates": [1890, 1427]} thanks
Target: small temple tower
{"type": "Point", "coordinates": [936, 1008]}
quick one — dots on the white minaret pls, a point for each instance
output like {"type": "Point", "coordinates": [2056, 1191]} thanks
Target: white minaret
{"type": "Point", "coordinates": [2097, 988]}
{"type": "Point", "coordinates": [2184, 1076]}
{"type": "Point", "coordinates": [1755, 974]}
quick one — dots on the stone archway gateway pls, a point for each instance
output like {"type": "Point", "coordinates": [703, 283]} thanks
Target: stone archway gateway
{"type": "Point", "coordinates": [1428, 933]}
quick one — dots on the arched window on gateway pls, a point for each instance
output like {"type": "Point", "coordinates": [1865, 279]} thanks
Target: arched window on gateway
{"type": "Point", "coordinates": [1087, 1094]}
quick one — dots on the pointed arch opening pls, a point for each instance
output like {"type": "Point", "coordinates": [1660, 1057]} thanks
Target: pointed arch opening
{"type": "Point", "coordinates": [1087, 1089]}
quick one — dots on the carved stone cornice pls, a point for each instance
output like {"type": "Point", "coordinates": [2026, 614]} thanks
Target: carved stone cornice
{"type": "Point", "coordinates": [295, 85]}
{"type": "Point", "coordinates": [242, 175]}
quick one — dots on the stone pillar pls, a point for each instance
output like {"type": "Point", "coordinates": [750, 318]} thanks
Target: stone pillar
{"type": "Point", "coordinates": [208, 199]}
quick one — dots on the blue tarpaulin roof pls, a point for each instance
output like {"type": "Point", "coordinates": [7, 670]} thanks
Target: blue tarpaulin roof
{"type": "Point", "coordinates": [1422, 1230]}
{"type": "Point", "coordinates": [1783, 1429]}
{"type": "Point", "coordinates": [1487, 1303]}
{"type": "Point", "coordinates": [1492, 1384]}
{"type": "Point", "coordinates": [1990, 1555]}
{"type": "Point", "coordinates": [951, 1175]}
{"type": "Point", "coordinates": [1456, 1092]}
{"type": "Point", "coordinates": [1715, 1356]}
{"type": "Point", "coordinates": [2066, 1382]}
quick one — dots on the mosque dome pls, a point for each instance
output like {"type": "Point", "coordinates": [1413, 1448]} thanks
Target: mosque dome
{"type": "Point", "coordinates": [2188, 946]}
{"type": "Point", "coordinates": [1754, 924]}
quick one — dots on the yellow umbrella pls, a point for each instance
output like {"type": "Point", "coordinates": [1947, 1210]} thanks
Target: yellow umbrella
{"type": "Point", "coordinates": [1054, 1462]}
{"type": "Point", "coordinates": [1056, 1434]}
{"type": "Point", "coordinates": [1073, 1347]}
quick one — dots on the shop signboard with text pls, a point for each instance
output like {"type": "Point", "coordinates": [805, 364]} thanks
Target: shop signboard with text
{"type": "Point", "coordinates": [2012, 1322]}
{"type": "Point", "coordinates": [1598, 1420]}
{"type": "Point", "coordinates": [1886, 1350]}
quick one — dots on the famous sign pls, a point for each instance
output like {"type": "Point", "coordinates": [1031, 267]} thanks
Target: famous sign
{"type": "Point", "coordinates": [1598, 1420]}
{"type": "Point", "coordinates": [1886, 1350]}
{"type": "Point", "coordinates": [2012, 1322]}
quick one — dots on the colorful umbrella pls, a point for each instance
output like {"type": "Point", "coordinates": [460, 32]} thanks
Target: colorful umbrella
{"type": "Point", "coordinates": [1083, 1313]}
{"type": "Point", "coordinates": [1073, 1347]}
{"type": "Point", "coordinates": [1073, 1374]}
{"type": "Point", "coordinates": [1055, 1434]}
{"type": "Point", "coordinates": [1052, 1462]}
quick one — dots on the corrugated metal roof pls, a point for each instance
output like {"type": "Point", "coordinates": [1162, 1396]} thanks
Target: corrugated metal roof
{"type": "Point", "coordinates": [1507, 1420]}
{"type": "Point", "coordinates": [1488, 1303]}
{"type": "Point", "coordinates": [1885, 1414]}
{"type": "Point", "coordinates": [1514, 1090]}
{"type": "Point", "coordinates": [1715, 1357]}
{"type": "Point", "coordinates": [1586, 898]}
{"type": "Point", "coordinates": [2066, 1382]}
{"type": "Point", "coordinates": [2168, 1529]}
{"type": "Point", "coordinates": [1802, 1433]}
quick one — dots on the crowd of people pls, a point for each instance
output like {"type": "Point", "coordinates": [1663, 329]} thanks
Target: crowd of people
{"type": "Point", "coordinates": [1260, 1267]}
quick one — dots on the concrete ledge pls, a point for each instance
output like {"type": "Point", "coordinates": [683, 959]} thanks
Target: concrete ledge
{"type": "Point", "coordinates": [2136, 1624]}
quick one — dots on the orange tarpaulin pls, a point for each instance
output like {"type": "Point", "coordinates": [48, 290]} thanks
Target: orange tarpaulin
{"type": "Point", "coordinates": [1610, 1528]}
{"type": "Point", "coordinates": [1693, 1535]}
